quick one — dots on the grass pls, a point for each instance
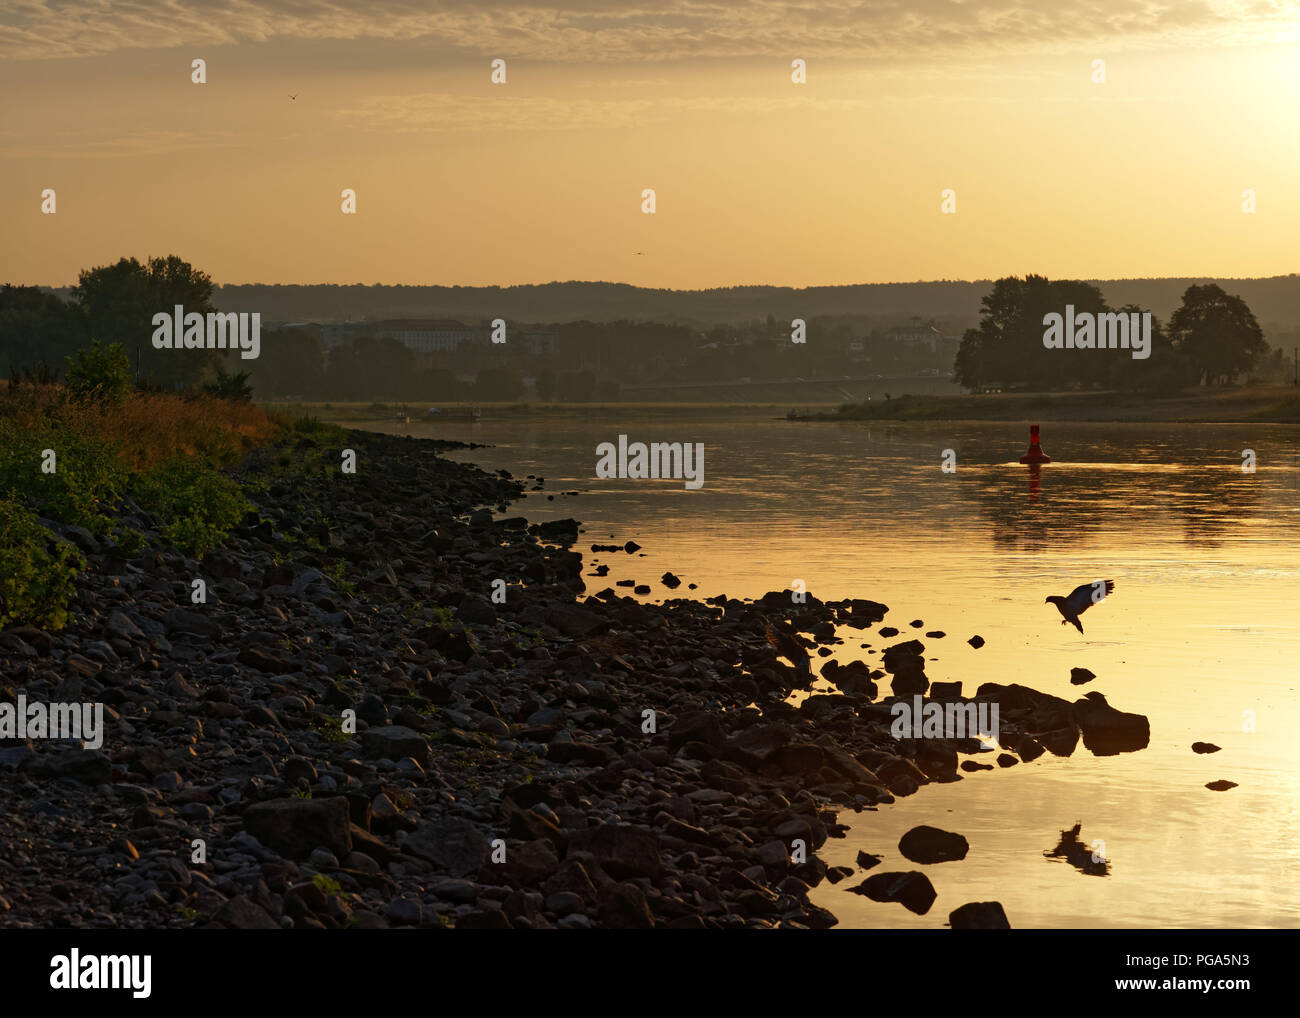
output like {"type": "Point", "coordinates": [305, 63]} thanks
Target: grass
{"type": "Point", "coordinates": [78, 461]}
{"type": "Point", "coordinates": [1243, 404]}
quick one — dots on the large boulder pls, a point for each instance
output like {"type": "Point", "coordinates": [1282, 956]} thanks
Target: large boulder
{"type": "Point", "coordinates": [395, 742]}
{"type": "Point", "coordinates": [1107, 731]}
{"type": "Point", "coordinates": [979, 915]}
{"type": "Point", "coordinates": [930, 844]}
{"type": "Point", "coordinates": [453, 846]}
{"type": "Point", "coordinates": [620, 850]}
{"type": "Point", "coordinates": [294, 827]}
{"type": "Point", "coordinates": [912, 890]}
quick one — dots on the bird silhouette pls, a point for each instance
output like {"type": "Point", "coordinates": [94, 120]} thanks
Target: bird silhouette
{"type": "Point", "coordinates": [788, 646]}
{"type": "Point", "coordinates": [1079, 600]}
{"type": "Point", "coordinates": [293, 95]}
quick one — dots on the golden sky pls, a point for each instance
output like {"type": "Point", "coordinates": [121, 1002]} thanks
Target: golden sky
{"type": "Point", "coordinates": [757, 179]}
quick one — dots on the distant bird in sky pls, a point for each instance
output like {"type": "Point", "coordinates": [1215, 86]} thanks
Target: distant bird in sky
{"type": "Point", "coordinates": [788, 646]}
{"type": "Point", "coordinates": [1080, 599]}
{"type": "Point", "coordinates": [640, 252]}
{"type": "Point", "coordinates": [294, 95]}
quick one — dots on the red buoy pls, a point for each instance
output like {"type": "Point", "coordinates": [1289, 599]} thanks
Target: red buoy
{"type": "Point", "coordinates": [1034, 454]}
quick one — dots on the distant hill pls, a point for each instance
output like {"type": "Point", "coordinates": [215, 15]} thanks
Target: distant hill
{"type": "Point", "coordinates": [1275, 301]}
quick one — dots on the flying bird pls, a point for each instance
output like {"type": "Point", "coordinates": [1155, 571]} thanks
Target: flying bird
{"type": "Point", "coordinates": [1080, 599]}
{"type": "Point", "coordinates": [293, 95]}
{"type": "Point", "coordinates": [788, 646]}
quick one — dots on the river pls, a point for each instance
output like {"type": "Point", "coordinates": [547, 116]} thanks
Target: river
{"type": "Point", "coordinates": [1201, 633]}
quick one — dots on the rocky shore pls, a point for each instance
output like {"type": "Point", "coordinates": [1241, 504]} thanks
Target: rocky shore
{"type": "Point", "coordinates": [353, 732]}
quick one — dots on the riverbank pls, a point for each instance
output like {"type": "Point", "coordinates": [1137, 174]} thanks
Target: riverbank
{"type": "Point", "coordinates": [1252, 404]}
{"type": "Point", "coordinates": [350, 731]}
{"type": "Point", "coordinates": [1272, 404]}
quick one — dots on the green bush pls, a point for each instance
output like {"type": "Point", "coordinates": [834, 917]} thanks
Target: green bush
{"type": "Point", "coordinates": [37, 570]}
{"type": "Point", "coordinates": [95, 372]}
{"type": "Point", "coordinates": [198, 506]}
{"type": "Point", "coordinates": [87, 479]}
{"type": "Point", "coordinates": [233, 387]}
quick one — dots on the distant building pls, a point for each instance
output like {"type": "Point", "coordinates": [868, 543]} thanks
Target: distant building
{"type": "Point", "coordinates": [436, 335]}
{"type": "Point", "coordinates": [918, 334]}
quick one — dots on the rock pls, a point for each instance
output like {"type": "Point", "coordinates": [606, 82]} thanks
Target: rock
{"type": "Point", "coordinates": [866, 860]}
{"type": "Point", "coordinates": [773, 853]}
{"type": "Point", "coordinates": [905, 663]}
{"type": "Point", "coordinates": [526, 863]}
{"type": "Point", "coordinates": [573, 620]}
{"type": "Point", "coordinates": [945, 690]}
{"type": "Point", "coordinates": [563, 903]}
{"type": "Point", "coordinates": [1107, 731]}
{"type": "Point", "coordinates": [454, 846]}
{"type": "Point", "coordinates": [1221, 786]}
{"type": "Point", "coordinates": [623, 906]}
{"type": "Point", "coordinates": [295, 827]}
{"type": "Point", "coordinates": [979, 915]}
{"type": "Point", "coordinates": [837, 873]}
{"type": "Point", "coordinates": [192, 621]}
{"type": "Point", "coordinates": [462, 892]}
{"type": "Point", "coordinates": [255, 657]}
{"type": "Point", "coordinates": [670, 581]}
{"type": "Point", "coordinates": [930, 845]}
{"type": "Point", "coordinates": [976, 641]}
{"type": "Point", "coordinates": [571, 876]}
{"type": "Point", "coordinates": [487, 920]}
{"type": "Point", "coordinates": [393, 742]}
{"type": "Point", "coordinates": [476, 610]}
{"type": "Point", "coordinates": [404, 912]}
{"type": "Point", "coordinates": [862, 610]}
{"type": "Point", "coordinates": [1061, 742]}
{"type": "Point", "coordinates": [802, 758]}
{"type": "Point", "coordinates": [1007, 760]}
{"type": "Point", "coordinates": [696, 726]}
{"type": "Point", "coordinates": [86, 766]}
{"type": "Point", "coordinates": [1205, 747]}
{"type": "Point", "coordinates": [621, 850]}
{"type": "Point", "coordinates": [1078, 676]}
{"type": "Point", "coordinates": [119, 624]}
{"type": "Point", "coordinates": [912, 890]}
{"type": "Point", "coordinates": [241, 913]}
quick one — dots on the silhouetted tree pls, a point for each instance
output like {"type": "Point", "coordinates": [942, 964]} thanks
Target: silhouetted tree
{"type": "Point", "coordinates": [37, 329]}
{"type": "Point", "coordinates": [1217, 334]}
{"type": "Point", "coordinates": [292, 363]}
{"type": "Point", "coordinates": [120, 300]}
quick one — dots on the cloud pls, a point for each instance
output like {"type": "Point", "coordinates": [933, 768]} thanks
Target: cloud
{"type": "Point", "coordinates": [442, 111]}
{"type": "Point", "coordinates": [107, 144]}
{"type": "Point", "coordinates": [623, 31]}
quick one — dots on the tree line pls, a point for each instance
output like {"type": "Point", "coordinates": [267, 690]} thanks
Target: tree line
{"type": "Point", "coordinates": [1212, 338]}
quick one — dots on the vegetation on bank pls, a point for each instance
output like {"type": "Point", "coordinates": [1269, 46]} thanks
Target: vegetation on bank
{"type": "Point", "coordinates": [95, 453]}
{"type": "Point", "coordinates": [1279, 404]}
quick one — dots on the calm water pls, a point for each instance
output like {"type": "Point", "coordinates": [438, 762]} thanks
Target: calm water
{"type": "Point", "coordinates": [1201, 634]}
